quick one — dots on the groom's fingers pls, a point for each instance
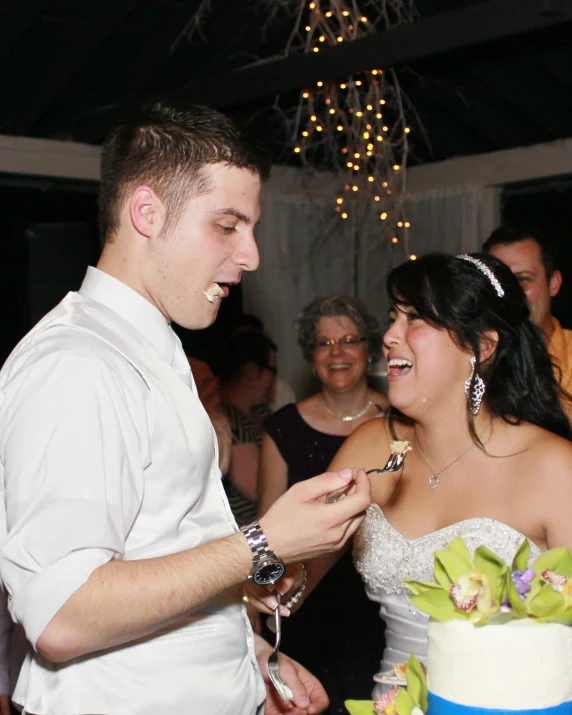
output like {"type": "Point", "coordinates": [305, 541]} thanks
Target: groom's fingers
{"type": "Point", "coordinates": [317, 488]}
{"type": "Point", "coordinates": [300, 526]}
{"type": "Point", "coordinates": [291, 679]}
{"type": "Point", "coordinates": [309, 694]}
{"type": "Point", "coordinates": [361, 490]}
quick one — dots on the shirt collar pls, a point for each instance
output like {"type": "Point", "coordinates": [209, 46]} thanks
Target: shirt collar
{"type": "Point", "coordinates": [132, 307]}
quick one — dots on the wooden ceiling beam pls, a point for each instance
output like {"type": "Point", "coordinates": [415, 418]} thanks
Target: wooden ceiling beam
{"type": "Point", "coordinates": [467, 27]}
{"type": "Point", "coordinates": [452, 99]}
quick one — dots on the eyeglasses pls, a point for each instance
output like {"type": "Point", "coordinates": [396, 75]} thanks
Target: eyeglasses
{"type": "Point", "coordinates": [348, 342]}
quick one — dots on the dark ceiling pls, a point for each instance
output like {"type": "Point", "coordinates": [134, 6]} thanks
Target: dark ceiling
{"type": "Point", "coordinates": [482, 74]}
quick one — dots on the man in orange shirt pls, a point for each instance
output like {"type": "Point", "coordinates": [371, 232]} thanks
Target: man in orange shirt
{"type": "Point", "coordinates": [531, 259]}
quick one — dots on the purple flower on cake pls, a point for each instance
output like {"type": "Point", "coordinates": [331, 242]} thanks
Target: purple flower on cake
{"type": "Point", "coordinates": [521, 580]}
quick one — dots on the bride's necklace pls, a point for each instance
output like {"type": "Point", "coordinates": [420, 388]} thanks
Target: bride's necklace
{"type": "Point", "coordinates": [347, 418]}
{"type": "Point", "coordinates": [434, 480]}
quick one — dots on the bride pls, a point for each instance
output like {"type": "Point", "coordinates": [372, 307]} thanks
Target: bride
{"type": "Point", "coordinates": [473, 392]}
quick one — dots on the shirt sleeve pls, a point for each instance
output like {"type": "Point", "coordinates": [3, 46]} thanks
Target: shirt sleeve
{"type": "Point", "coordinates": [74, 444]}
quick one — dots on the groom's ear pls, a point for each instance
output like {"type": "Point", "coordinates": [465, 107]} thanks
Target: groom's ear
{"type": "Point", "coordinates": [488, 344]}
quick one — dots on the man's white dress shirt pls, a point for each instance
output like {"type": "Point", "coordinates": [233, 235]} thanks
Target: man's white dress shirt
{"type": "Point", "coordinates": [106, 454]}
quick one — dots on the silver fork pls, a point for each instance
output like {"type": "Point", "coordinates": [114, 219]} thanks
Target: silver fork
{"type": "Point", "coordinates": [273, 669]}
{"type": "Point", "coordinates": [394, 464]}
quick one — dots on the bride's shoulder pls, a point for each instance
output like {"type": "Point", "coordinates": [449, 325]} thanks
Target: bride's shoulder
{"type": "Point", "coordinates": [383, 430]}
{"type": "Point", "coordinates": [556, 451]}
{"type": "Point", "coordinates": [545, 476]}
{"type": "Point", "coordinates": [544, 449]}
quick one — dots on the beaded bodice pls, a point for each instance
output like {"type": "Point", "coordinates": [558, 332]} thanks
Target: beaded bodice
{"type": "Point", "coordinates": [384, 557]}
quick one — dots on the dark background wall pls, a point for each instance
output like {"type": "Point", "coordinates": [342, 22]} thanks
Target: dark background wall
{"type": "Point", "coordinates": [49, 235]}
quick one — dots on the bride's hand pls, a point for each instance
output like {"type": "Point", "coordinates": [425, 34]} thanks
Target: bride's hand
{"type": "Point", "coordinates": [262, 597]}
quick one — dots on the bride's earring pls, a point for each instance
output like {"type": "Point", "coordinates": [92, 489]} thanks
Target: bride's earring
{"type": "Point", "coordinates": [475, 394]}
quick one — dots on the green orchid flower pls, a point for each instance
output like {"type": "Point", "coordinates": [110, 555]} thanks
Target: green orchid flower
{"type": "Point", "coordinates": [484, 590]}
{"type": "Point", "coordinates": [466, 588]}
{"type": "Point", "coordinates": [360, 707]}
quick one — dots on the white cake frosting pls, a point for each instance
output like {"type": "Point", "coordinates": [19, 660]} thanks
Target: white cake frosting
{"type": "Point", "coordinates": [518, 665]}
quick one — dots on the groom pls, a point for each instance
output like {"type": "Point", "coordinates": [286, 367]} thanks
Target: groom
{"type": "Point", "coordinates": [121, 558]}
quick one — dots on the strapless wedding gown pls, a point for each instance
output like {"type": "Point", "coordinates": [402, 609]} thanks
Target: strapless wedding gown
{"type": "Point", "coordinates": [384, 557]}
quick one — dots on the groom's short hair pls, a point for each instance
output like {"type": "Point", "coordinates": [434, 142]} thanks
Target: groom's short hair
{"type": "Point", "coordinates": [165, 145]}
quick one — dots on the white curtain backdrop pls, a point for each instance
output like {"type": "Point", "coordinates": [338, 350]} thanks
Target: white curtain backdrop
{"type": "Point", "coordinates": [455, 219]}
{"type": "Point", "coordinates": [301, 259]}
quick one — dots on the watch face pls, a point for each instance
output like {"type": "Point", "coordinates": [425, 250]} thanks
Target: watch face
{"type": "Point", "coordinates": [269, 573]}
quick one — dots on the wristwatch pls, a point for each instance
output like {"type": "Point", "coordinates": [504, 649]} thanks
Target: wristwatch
{"type": "Point", "coordinates": [267, 567]}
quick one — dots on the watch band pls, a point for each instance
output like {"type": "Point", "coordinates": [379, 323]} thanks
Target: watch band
{"type": "Point", "coordinates": [258, 543]}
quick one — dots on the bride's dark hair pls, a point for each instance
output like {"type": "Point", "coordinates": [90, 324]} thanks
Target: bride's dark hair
{"type": "Point", "coordinates": [454, 294]}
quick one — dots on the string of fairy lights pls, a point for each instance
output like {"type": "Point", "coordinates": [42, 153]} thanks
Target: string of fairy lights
{"type": "Point", "coordinates": [357, 125]}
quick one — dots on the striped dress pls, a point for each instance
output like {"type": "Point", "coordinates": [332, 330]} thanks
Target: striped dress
{"type": "Point", "coordinates": [244, 431]}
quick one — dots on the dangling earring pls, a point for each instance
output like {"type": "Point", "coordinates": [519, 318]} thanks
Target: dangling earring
{"type": "Point", "coordinates": [478, 389]}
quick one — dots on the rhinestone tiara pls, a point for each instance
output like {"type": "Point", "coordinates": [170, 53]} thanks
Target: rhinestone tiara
{"type": "Point", "coordinates": [487, 271]}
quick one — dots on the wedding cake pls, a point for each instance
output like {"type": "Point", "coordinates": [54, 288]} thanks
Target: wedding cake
{"type": "Point", "coordinates": [499, 638]}
{"type": "Point", "coordinates": [520, 665]}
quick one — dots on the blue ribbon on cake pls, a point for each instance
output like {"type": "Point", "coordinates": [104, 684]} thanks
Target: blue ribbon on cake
{"type": "Point", "coordinates": [440, 706]}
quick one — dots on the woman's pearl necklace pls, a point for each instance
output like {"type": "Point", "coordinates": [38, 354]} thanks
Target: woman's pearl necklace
{"type": "Point", "coordinates": [347, 418]}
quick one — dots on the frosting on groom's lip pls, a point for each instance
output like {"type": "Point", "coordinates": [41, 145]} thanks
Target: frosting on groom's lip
{"type": "Point", "coordinates": [215, 291]}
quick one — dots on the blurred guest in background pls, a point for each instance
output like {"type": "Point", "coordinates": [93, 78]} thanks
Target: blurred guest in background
{"type": "Point", "coordinates": [247, 369]}
{"type": "Point", "coordinates": [281, 392]}
{"type": "Point", "coordinates": [209, 394]}
{"type": "Point", "coordinates": [339, 337]}
{"type": "Point", "coordinates": [531, 258]}
{"type": "Point", "coordinates": [13, 650]}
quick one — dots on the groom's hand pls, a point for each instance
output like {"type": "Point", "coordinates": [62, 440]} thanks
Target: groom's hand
{"type": "Point", "coordinates": [309, 696]}
{"type": "Point", "coordinates": [300, 525]}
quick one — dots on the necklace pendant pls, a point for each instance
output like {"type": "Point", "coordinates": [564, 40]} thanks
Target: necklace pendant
{"type": "Point", "coordinates": [349, 418]}
{"type": "Point", "coordinates": [434, 481]}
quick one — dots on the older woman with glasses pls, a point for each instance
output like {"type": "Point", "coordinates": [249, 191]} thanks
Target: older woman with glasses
{"type": "Point", "coordinates": [340, 337]}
